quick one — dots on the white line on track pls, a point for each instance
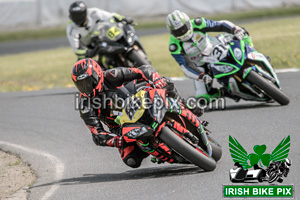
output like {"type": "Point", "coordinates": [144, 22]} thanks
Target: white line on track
{"type": "Point", "coordinates": [182, 78]}
{"type": "Point", "coordinates": [287, 70]}
{"type": "Point", "coordinates": [59, 166]}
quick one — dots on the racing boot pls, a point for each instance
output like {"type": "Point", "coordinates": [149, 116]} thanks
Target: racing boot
{"type": "Point", "coordinates": [157, 160]}
{"type": "Point", "coordinates": [213, 95]}
{"type": "Point", "coordinates": [131, 154]}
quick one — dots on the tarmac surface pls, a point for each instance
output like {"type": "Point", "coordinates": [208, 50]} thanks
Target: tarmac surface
{"type": "Point", "coordinates": [46, 131]}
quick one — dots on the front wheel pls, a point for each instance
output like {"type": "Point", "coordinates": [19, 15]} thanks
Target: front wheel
{"type": "Point", "coordinates": [269, 88]}
{"type": "Point", "coordinates": [273, 176]}
{"type": "Point", "coordinates": [186, 150]}
{"type": "Point", "coordinates": [216, 148]}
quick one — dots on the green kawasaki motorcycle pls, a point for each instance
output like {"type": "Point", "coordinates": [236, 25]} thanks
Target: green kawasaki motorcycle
{"type": "Point", "coordinates": [243, 71]}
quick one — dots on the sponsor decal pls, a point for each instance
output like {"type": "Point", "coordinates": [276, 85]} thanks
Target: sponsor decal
{"type": "Point", "coordinates": [82, 76]}
{"type": "Point", "coordinates": [223, 68]}
{"type": "Point", "coordinates": [238, 53]}
{"type": "Point", "coordinates": [113, 73]}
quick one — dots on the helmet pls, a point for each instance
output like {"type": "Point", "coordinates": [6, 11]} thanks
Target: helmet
{"type": "Point", "coordinates": [179, 25]}
{"type": "Point", "coordinates": [78, 12]}
{"type": "Point", "coordinates": [288, 162]}
{"type": "Point", "coordinates": [87, 77]}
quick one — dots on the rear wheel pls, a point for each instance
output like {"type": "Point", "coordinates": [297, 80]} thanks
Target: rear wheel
{"type": "Point", "coordinates": [269, 88]}
{"type": "Point", "coordinates": [186, 150]}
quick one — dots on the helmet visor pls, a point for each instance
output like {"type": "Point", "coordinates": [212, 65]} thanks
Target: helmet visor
{"type": "Point", "coordinates": [78, 19]}
{"type": "Point", "coordinates": [181, 31]}
{"type": "Point", "coordinates": [86, 84]}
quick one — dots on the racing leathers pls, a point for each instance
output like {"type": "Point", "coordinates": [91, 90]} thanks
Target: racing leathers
{"type": "Point", "coordinates": [80, 37]}
{"type": "Point", "coordinates": [189, 55]}
{"type": "Point", "coordinates": [99, 109]}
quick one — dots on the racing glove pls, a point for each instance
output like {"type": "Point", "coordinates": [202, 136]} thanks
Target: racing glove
{"type": "Point", "coordinates": [158, 81]}
{"type": "Point", "coordinates": [116, 141]}
{"type": "Point", "coordinates": [239, 33]}
{"type": "Point", "coordinates": [107, 139]}
{"type": "Point", "coordinates": [120, 18]}
{"type": "Point", "coordinates": [205, 78]}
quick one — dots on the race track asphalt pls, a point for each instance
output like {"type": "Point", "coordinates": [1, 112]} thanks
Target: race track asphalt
{"type": "Point", "coordinates": [45, 129]}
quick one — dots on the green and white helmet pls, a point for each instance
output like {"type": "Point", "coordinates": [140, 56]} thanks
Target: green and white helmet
{"type": "Point", "coordinates": [179, 25]}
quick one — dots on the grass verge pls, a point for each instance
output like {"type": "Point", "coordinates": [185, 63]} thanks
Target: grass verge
{"type": "Point", "coordinates": [278, 39]}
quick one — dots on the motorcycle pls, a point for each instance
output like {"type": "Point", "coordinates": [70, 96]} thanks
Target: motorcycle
{"type": "Point", "coordinates": [117, 45]}
{"type": "Point", "coordinates": [277, 170]}
{"type": "Point", "coordinates": [164, 128]}
{"type": "Point", "coordinates": [243, 71]}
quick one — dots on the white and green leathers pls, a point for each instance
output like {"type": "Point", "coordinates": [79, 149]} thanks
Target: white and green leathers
{"type": "Point", "coordinates": [189, 54]}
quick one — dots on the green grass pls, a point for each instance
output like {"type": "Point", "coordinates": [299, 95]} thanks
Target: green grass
{"type": "Point", "coordinates": [142, 24]}
{"type": "Point", "coordinates": [36, 70]}
{"type": "Point", "coordinates": [18, 162]}
{"type": "Point", "coordinates": [278, 39]}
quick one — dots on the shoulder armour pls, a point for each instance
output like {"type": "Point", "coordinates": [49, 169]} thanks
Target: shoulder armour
{"type": "Point", "coordinates": [173, 47]}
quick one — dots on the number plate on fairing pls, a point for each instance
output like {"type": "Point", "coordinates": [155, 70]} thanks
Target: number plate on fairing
{"type": "Point", "coordinates": [113, 33]}
{"type": "Point", "coordinates": [134, 109]}
{"type": "Point", "coordinates": [219, 52]}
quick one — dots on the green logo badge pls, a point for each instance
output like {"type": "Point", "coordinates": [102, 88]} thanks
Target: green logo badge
{"type": "Point", "coordinates": [240, 155]}
{"type": "Point", "coordinates": [270, 167]}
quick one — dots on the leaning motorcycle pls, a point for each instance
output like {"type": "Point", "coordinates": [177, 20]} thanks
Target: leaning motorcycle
{"type": "Point", "coordinates": [117, 45]}
{"type": "Point", "coordinates": [165, 129]}
{"type": "Point", "coordinates": [242, 70]}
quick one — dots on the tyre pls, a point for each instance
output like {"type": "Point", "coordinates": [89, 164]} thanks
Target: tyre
{"type": "Point", "coordinates": [138, 58]}
{"type": "Point", "coordinates": [261, 176]}
{"type": "Point", "coordinates": [215, 146]}
{"type": "Point", "coordinates": [272, 177]}
{"type": "Point", "coordinates": [216, 149]}
{"type": "Point", "coordinates": [186, 150]}
{"type": "Point", "coordinates": [269, 88]}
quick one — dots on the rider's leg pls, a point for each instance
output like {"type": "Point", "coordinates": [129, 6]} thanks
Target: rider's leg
{"type": "Point", "coordinates": [207, 93]}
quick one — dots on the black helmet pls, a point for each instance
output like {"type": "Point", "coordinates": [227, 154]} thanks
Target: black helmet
{"type": "Point", "coordinates": [77, 12]}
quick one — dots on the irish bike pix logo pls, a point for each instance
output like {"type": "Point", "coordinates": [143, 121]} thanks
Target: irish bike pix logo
{"type": "Point", "coordinates": [262, 172]}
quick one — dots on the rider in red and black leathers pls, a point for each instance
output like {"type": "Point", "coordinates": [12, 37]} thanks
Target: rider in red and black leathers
{"type": "Point", "coordinates": [96, 88]}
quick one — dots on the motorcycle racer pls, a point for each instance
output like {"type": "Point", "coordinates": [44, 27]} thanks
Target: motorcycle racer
{"type": "Point", "coordinates": [97, 90]}
{"type": "Point", "coordinates": [83, 22]}
{"type": "Point", "coordinates": [189, 44]}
